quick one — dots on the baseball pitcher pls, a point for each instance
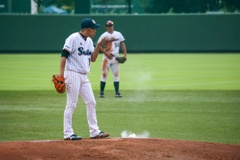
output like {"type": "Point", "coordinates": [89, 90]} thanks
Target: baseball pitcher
{"type": "Point", "coordinates": [77, 54]}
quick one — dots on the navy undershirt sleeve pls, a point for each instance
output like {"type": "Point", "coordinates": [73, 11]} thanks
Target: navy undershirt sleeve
{"type": "Point", "coordinates": [65, 53]}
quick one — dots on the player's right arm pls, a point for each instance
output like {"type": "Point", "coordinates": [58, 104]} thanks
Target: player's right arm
{"type": "Point", "coordinates": [97, 49]}
{"type": "Point", "coordinates": [105, 42]}
{"type": "Point", "coordinates": [64, 56]}
{"type": "Point", "coordinates": [67, 48]}
{"type": "Point", "coordinates": [105, 52]}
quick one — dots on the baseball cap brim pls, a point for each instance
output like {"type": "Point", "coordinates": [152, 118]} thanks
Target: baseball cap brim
{"type": "Point", "coordinates": [95, 26]}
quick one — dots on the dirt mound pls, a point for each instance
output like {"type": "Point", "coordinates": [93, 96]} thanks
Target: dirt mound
{"type": "Point", "coordinates": [119, 148]}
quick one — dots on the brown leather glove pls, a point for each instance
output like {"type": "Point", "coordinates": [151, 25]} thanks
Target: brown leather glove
{"type": "Point", "coordinates": [59, 83]}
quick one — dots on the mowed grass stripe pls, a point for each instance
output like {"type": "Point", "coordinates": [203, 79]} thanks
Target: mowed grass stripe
{"type": "Point", "coordinates": [140, 72]}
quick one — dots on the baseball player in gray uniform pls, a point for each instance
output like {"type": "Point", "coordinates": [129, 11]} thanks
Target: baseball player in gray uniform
{"type": "Point", "coordinates": [77, 54]}
{"type": "Point", "coordinates": [111, 51]}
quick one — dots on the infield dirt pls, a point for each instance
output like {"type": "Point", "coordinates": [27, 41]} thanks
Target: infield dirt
{"type": "Point", "coordinates": [119, 149]}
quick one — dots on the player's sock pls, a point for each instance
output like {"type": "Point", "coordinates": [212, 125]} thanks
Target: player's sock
{"type": "Point", "coordinates": [102, 86]}
{"type": "Point", "coordinates": [116, 86]}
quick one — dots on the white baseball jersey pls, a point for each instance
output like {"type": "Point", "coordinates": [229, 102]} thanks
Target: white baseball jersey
{"type": "Point", "coordinates": [80, 53]}
{"type": "Point", "coordinates": [116, 43]}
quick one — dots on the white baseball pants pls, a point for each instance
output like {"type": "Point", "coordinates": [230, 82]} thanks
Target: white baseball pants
{"type": "Point", "coordinates": [78, 85]}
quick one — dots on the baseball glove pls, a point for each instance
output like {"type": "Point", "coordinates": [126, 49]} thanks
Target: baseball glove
{"type": "Point", "coordinates": [121, 59]}
{"type": "Point", "coordinates": [59, 83]}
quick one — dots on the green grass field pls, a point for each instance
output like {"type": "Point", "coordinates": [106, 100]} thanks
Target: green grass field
{"type": "Point", "coordinates": [173, 96]}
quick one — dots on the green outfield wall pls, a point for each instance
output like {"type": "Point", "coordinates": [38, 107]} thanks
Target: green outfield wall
{"type": "Point", "coordinates": [143, 33]}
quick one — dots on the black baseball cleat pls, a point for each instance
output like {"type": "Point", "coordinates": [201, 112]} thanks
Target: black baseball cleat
{"type": "Point", "coordinates": [101, 135]}
{"type": "Point", "coordinates": [118, 95]}
{"type": "Point", "coordinates": [101, 95]}
{"type": "Point", "coordinates": [73, 137]}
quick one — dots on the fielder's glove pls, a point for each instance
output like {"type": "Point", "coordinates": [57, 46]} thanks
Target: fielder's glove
{"type": "Point", "coordinates": [121, 59]}
{"type": "Point", "coordinates": [59, 83]}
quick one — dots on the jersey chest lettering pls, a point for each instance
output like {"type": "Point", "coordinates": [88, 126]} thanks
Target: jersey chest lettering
{"type": "Point", "coordinates": [83, 52]}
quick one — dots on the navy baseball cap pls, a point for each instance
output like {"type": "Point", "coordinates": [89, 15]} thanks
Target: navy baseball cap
{"type": "Point", "coordinates": [109, 23]}
{"type": "Point", "coordinates": [89, 23]}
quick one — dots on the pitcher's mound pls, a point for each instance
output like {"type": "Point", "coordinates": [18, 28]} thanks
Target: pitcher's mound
{"type": "Point", "coordinates": [119, 149]}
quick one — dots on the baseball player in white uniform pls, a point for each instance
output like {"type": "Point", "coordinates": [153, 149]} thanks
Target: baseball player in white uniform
{"type": "Point", "coordinates": [77, 54]}
{"type": "Point", "coordinates": [111, 51]}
